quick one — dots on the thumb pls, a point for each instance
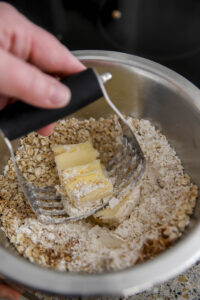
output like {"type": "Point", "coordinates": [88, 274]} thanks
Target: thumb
{"type": "Point", "coordinates": [21, 80]}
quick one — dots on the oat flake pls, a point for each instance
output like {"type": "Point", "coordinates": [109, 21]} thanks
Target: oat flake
{"type": "Point", "coordinates": [167, 198]}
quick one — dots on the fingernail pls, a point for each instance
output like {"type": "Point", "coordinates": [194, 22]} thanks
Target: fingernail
{"type": "Point", "coordinates": [59, 95]}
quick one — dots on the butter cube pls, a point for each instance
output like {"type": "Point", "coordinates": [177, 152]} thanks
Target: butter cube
{"type": "Point", "coordinates": [81, 175]}
{"type": "Point", "coordinates": [120, 211]}
{"type": "Point", "coordinates": [88, 187]}
{"type": "Point", "coordinates": [70, 173]}
{"type": "Point", "coordinates": [68, 156]}
{"type": "Point", "coordinates": [111, 215]}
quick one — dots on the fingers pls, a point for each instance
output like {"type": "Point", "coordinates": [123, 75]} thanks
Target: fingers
{"type": "Point", "coordinates": [50, 55]}
{"type": "Point", "coordinates": [28, 41]}
{"type": "Point", "coordinates": [23, 81]}
{"type": "Point", "coordinates": [8, 293]}
{"type": "Point", "coordinates": [45, 131]}
{"type": "Point", "coordinates": [3, 101]}
{"type": "Point", "coordinates": [19, 37]}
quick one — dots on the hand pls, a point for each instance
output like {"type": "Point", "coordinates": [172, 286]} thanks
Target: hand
{"type": "Point", "coordinates": [27, 54]}
{"type": "Point", "coordinates": [8, 293]}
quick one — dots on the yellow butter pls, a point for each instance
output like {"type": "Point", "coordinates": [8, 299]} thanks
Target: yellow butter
{"type": "Point", "coordinates": [70, 173]}
{"type": "Point", "coordinates": [110, 215]}
{"type": "Point", "coordinates": [68, 156]}
{"type": "Point", "coordinates": [59, 149]}
{"type": "Point", "coordinates": [88, 187]}
{"type": "Point", "coordinates": [120, 211]}
{"type": "Point", "coordinates": [82, 178]}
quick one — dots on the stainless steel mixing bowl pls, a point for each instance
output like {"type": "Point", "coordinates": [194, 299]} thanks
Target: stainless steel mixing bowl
{"type": "Point", "coordinates": [148, 90]}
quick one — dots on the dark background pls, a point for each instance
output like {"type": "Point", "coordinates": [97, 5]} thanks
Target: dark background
{"type": "Point", "coordinates": [166, 31]}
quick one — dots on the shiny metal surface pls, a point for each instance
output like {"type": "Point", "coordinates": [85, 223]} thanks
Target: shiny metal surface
{"type": "Point", "coordinates": [144, 89]}
{"type": "Point", "coordinates": [127, 166]}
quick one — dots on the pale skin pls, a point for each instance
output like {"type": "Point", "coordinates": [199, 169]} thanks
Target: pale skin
{"type": "Point", "coordinates": [28, 54]}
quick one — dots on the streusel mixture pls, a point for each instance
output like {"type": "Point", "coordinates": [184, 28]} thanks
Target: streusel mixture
{"type": "Point", "coordinates": [166, 200]}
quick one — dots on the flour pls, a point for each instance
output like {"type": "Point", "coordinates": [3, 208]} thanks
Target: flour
{"type": "Point", "coordinates": [153, 218]}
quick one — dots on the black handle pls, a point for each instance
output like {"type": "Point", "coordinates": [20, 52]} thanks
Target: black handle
{"type": "Point", "coordinates": [19, 118]}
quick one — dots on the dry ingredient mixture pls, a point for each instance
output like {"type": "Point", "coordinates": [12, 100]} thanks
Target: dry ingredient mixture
{"type": "Point", "coordinates": [167, 198]}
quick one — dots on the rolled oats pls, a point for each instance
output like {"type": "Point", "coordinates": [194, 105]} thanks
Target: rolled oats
{"type": "Point", "coordinates": [167, 198]}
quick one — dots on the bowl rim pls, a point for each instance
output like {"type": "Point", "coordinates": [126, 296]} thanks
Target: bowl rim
{"type": "Point", "coordinates": [132, 280]}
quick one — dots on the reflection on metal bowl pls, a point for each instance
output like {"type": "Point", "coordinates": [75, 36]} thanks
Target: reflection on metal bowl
{"type": "Point", "coordinates": [143, 89]}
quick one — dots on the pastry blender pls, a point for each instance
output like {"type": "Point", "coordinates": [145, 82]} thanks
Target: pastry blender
{"type": "Point", "coordinates": [127, 165]}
